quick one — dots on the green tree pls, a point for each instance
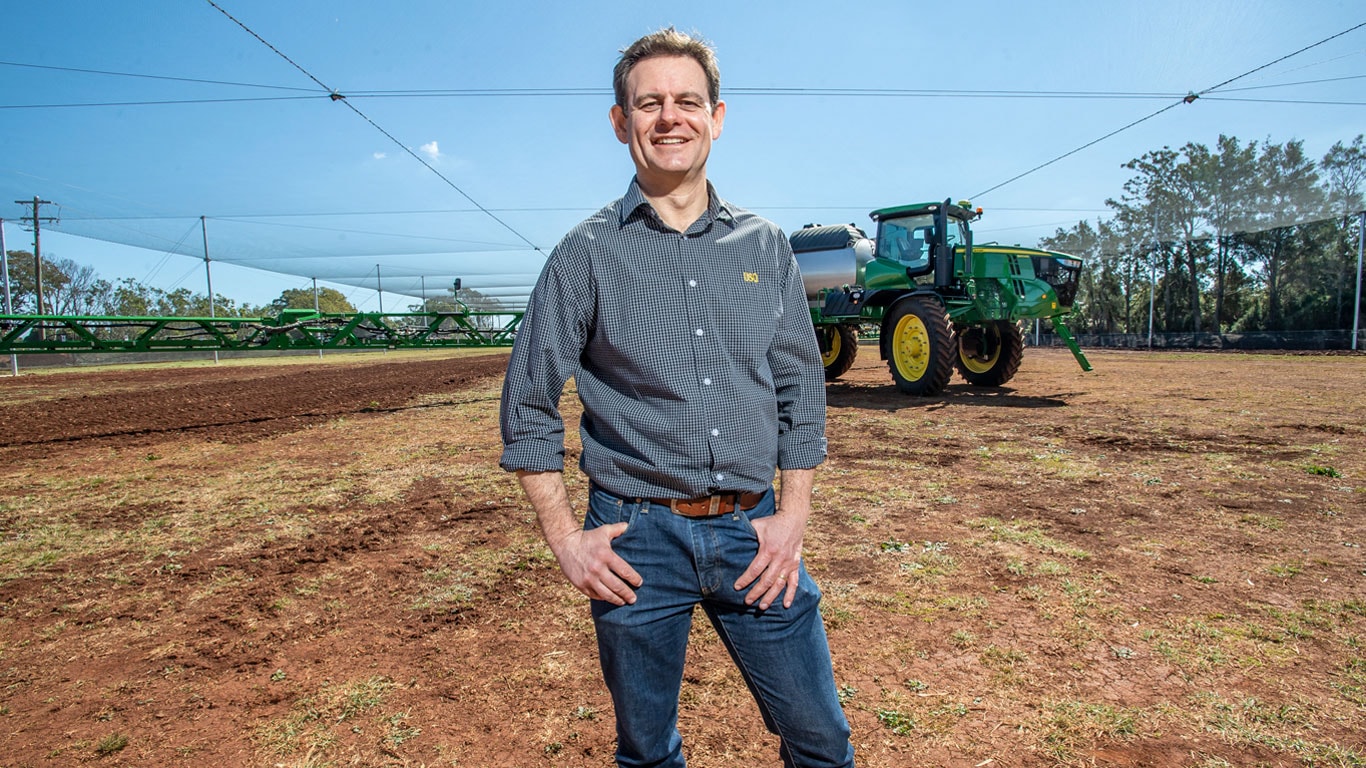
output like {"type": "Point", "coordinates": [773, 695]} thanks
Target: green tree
{"type": "Point", "coordinates": [1343, 171]}
{"type": "Point", "coordinates": [1223, 183]}
{"type": "Point", "coordinates": [1286, 195]}
{"type": "Point", "coordinates": [68, 288]}
{"type": "Point", "coordinates": [1162, 199]}
{"type": "Point", "coordinates": [330, 300]}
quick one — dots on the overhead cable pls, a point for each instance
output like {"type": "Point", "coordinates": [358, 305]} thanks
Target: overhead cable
{"type": "Point", "coordinates": [156, 103]}
{"type": "Point", "coordinates": [335, 96]}
{"type": "Point", "coordinates": [152, 77]}
{"type": "Point", "coordinates": [1188, 99]}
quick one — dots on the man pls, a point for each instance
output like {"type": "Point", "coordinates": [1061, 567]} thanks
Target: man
{"type": "Point", "coordinates": [684, 323]}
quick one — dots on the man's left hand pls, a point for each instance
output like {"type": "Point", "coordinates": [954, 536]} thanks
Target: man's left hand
{"type": "Point", "coordinates": [776, 569]}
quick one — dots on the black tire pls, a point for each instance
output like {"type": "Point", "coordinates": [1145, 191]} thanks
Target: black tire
{"type": "Point", "coordinates": [919, 346]}
{"type": "Point", "coordinates": [989, 355]}
{"type": "Point", "coordinates": [839, 347]}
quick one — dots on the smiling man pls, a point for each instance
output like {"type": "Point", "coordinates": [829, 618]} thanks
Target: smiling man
{"type": "Point", "coordinates": [683, 321]}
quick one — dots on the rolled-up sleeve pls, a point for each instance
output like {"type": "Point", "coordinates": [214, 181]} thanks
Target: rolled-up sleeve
{"type": "Point", "coordinates": [798, 377]}
{"type": "Point", "coordinates": [545, 355]}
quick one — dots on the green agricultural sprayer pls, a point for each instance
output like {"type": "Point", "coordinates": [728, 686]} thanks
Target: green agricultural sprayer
{"type": "Point", "coordinates": [938, 301]}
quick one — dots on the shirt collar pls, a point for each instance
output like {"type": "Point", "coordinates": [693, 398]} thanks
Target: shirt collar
{"type": "Point", "coordinates": [717, 209]}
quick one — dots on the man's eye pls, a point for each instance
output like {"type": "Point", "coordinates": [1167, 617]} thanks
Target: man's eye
{"type": "Point", "coordinates": [690, 105]}
{"type": "Point", "coordinates": [648, 106]}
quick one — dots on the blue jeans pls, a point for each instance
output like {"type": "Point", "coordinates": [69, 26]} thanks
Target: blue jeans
{"type": "Point", "coordinates": [782, 653]}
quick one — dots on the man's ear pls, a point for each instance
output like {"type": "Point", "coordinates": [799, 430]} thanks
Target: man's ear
{"type": "Point", "coordinates": [618, 117]}
{"type": "Point", "coordinates": [718, 118]}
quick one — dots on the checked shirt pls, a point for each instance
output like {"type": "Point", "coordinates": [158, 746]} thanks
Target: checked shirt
{"type": "Point", "coordinates": [693, 355]}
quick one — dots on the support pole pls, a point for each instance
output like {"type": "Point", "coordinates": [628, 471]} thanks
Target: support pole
{"type": "Point", "coordinates": [379, 288]}
{"type": "Point", "coordinates": [1361, 245]}
{"type": "Point", "coordinates": [208, 275]}
{"type": "Point", "coordinates": [9, 308]}
{"type": "Point", "coordinates": [316, 309]}
{"type": "Point", "coordinates": [1152, 291]}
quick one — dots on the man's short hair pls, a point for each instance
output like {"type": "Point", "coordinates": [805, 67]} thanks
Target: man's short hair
{"type": "Point", "coordinates": [667, 42]}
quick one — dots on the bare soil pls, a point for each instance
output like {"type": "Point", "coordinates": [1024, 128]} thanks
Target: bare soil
{"type": "Point", "coordinates": [1158, 563]}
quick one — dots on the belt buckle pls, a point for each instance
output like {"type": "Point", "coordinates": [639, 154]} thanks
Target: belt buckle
{"type": "Point", "coordinates": [714, 506]}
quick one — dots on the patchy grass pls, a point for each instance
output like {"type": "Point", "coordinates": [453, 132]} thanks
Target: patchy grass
{"type": "Point", "coordinates": [1010, 577]}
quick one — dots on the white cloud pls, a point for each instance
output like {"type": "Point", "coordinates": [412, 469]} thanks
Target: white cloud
{"type": "Point", "coordinates": [431, 150]}
{"type": "Point", "coordinates": [380, 155]}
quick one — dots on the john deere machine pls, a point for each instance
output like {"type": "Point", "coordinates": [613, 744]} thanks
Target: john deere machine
{"type": "Point", "coordinates": [939, 302]}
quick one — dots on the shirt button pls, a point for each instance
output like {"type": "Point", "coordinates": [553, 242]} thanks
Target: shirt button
{"type": "Point", "coordinates": [715, 432]}
{"type": "Point", "coordinates": [699, 332]}
{"type": "Point", "coordinates": [720, 476]}
{"type": "Point", "coordinates": [706, 382]}
{"type": "Point", "coordinates": [692, 283]}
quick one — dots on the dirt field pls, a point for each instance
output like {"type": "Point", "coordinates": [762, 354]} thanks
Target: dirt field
{"type": "Point", "coordinates": [1158, 563]}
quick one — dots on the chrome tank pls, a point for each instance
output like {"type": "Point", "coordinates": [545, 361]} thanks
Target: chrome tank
{"type": "Point", "coordinates": [831, 257]}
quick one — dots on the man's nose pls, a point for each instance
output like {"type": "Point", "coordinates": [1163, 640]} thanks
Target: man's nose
{"type": "Point", "coordinates": [668, 112]}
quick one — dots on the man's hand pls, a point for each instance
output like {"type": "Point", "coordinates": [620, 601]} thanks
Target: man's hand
{"type": "Point", "coordinates": [586, 557]}
{"type": "Point", "coordinates": [776, 569]}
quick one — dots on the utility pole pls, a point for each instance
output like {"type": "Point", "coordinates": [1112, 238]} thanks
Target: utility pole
{"type": "Point", "coordinates": [37, 248]}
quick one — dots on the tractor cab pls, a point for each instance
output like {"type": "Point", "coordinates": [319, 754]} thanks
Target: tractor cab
{"type": "Point", "coordinates": [922, 238]}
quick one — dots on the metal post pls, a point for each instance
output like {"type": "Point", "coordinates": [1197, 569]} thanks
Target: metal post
{"type": "Point", "coordinates": [207, 274]}
{"type": "Point", "coordinates": [1152, 291]}
{"type": "Point", "coordinates": [9, 308]}
{"type": "Point", "coordinates": [316, 309]}
{"type": "Point", "coordinates": [1361, 245]}
{"type": "Point", "coordinates": [379, 288]}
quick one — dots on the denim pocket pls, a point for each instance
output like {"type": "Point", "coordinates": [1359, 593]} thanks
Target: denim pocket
{"type": "Point", "coordinates": [758, 512]}
{"type": "Point", "coordinates": [606, 509]}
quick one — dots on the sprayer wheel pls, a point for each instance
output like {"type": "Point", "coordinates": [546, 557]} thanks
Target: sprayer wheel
{"type": "Point", "coordinates": [839, 347]}
{"type": "Point", "coordinates": [919, 345]}
{"type": "Point", "coordinates": [989, 355]}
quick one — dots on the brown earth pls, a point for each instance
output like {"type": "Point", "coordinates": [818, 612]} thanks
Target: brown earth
{"type": "Point", "coordinates": [1157, 563]}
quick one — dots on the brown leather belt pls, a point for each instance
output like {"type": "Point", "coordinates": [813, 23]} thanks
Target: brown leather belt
{"type": "Point", "coordinates": [708, 506]}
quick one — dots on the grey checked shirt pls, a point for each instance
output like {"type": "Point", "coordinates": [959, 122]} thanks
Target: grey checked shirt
{"type": "Point", "coordinates": [693, 354]}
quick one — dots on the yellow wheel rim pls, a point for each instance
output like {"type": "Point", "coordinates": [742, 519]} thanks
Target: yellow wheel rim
{"type": "Point", "coordinates": [911, 348]}
{"type": "Point", "coordinates": [832, 340]}
{"type": "Point", "coordinates": [981, 364]}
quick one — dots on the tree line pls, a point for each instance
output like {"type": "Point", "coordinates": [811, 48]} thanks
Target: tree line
{"type": "Point", "coordinates": [1254, 236]}
{"type": "Point", "coordinates": [71, 288]}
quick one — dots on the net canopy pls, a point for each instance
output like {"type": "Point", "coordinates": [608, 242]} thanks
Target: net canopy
{"type": "Point", "coordinates": [408, 253]}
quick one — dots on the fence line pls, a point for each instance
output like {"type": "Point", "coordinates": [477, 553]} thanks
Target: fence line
{"type": "Point", "coordinates": [1258, 340]}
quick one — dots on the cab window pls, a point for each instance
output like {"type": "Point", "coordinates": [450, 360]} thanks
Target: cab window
{"type": "Point", "coordinates": [907, 240]}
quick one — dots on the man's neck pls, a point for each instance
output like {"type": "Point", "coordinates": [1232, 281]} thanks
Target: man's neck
{"type": "Point", "coordinates": [678, 205]}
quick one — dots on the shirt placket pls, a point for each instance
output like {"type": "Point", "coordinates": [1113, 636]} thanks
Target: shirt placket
{"type": "Point", "coordinates": [690, 256]}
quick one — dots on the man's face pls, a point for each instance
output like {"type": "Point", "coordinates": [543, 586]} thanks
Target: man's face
{"type": "Point", "coordinates": [670, 122]}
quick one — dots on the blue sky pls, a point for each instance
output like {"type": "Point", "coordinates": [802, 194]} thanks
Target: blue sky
{"type": "Point", "coordinates": [302, 184]}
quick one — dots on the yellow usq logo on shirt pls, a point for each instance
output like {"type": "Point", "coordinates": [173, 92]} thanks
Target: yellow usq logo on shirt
{"type": "Point", "coordinates": [751, 277]}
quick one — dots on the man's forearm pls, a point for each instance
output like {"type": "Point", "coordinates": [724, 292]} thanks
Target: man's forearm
{"type": "Point", "coordinates": [795, 498]}
{"type": "Point", "coordinates": [550, 499]}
